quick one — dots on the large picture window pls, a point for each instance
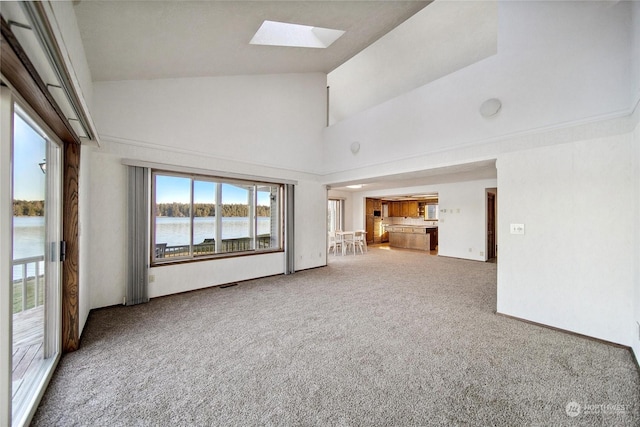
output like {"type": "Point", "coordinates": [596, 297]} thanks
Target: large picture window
{"type": "Point", "coordinates": [202, 217]}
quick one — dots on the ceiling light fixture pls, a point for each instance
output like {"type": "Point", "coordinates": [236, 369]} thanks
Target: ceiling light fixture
{"type": "Point", "coordinates": [273, 33]}
{"type": "Point", "coordinates": [355, 186]}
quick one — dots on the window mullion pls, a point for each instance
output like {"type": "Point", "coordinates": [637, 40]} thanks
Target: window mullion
{"type": "Point", "coordinates": [191, 214]}
{"type": "Point", "coordinates": [253, 217]}
{"type": "Point", "coordinates": [218, 244]}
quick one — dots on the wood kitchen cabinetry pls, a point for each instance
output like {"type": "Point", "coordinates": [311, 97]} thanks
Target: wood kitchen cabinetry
{"type": "Point", "coordinates": [395, 209]}
{"type": "Point", "coordinates": [410, 209]}
{"type": "Point", "coordinates": [369, 228]}
{"type": "Point", "coordinates": [369, 207]}
{"type": "Point", "coordinates": [433, 238]}
{"type": "Point", "coordinates": [406, 209]}
{"type": "Point", "coordinates": [412, 237]}
{"type": "Point", "coordinates": [373, 220]}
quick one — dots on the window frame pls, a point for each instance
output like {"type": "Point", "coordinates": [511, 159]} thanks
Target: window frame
{"type": "Point", "coordinates": [339, 218]}
{"type": "Point", "coordinates": [219, 181]}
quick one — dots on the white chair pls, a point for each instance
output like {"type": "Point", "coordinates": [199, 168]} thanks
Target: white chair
{"type": "Point", "coordinates": [335, 243]}
{"type": "Point", "coordinates": [359, 241]}
{"type": "Point", "coordinates": [348, 241]}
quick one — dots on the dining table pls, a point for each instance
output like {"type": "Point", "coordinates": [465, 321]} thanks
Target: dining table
{"type": "Point", "coordinates": [340, 237]}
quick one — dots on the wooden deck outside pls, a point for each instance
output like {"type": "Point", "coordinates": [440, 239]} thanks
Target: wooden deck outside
{"type": "Point", "coordinates": [28, 340]}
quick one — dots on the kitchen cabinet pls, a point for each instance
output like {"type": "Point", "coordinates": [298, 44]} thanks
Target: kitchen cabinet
{"type": "Point", "coordinates": [433, 238]}
{"type": "Point", "coordinates": [413, 209]}
{"type": "Point", "coordinates": [369, 208]}
{"type": "Point", "coordinates": [409, 209]}
{"type": "Point", "coordinates": [369, 228]}
{"type": "Point", "coordinates": [409, 237]}
{"type": "Point", "coordinates": [395, 209]}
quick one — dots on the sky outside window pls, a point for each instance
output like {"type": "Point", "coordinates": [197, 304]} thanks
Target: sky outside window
{"type": "Point", "coordinates": [174, 189]}
{"type": "Point", "coordinates": [29, 149]}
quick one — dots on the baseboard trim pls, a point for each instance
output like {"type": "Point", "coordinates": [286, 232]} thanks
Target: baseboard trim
{"type": "Point", "coordinates": [542, 325]}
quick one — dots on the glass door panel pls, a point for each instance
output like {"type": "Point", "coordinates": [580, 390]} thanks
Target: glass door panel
{"type": "Point", "coordinates": [35, 278]}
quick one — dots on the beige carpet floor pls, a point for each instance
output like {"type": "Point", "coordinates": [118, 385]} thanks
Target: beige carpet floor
{"type": "Point", "coordinates": [387, 338]}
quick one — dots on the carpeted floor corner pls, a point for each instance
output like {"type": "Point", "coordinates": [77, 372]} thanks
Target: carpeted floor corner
{"type": "Point", "coordinates": [387, 338]}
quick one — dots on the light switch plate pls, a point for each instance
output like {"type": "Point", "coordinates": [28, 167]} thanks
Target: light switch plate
{"type": "Point", "coordinates": [517, 228]}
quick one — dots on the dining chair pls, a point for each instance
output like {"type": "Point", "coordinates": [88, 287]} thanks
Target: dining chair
{"type": "Point", "coordinates": [358, 241]}
{"type": "Point", "coordinates": [335, 243]}
{"type": "Point", "coordinates": [348, 241]}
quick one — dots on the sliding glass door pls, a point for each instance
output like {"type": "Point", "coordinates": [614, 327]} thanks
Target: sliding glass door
{"type": "Point", "coordinates": [32, 282]}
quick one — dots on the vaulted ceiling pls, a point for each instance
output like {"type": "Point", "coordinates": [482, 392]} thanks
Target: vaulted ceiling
{"type": "Point", "coordinates": [140, 40]}
{"type": "Point", "coordinates": [131, 40]}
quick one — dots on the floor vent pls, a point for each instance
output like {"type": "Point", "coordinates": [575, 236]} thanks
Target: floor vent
{"type": "Point", "coordinates": [228, 285]}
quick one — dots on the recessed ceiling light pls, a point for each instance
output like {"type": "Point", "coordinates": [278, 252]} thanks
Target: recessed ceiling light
{"type": "Point", "coordinates": [273, 33]}
{"type": "Point", "coordinates": [355, 186]}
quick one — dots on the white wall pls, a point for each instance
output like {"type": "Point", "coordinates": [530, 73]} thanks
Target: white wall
{"type": "Point", "coordinates": [557, 63]}
{"type": "Point", "coordinates": [573, 267]}
{"type": "Point", "coordinates": [267, 120]}
{"type": "Point", "coordinates": [413, 54]}
{"type": "Point", "coordinates": [462, 224]}
{"type": "Point", "coordinates": [204, 123]}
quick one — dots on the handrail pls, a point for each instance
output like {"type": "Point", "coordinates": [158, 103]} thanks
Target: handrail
{"type": "Point", "coordinates": [208, 247]}
{"type": "Point", "coordinates": [24, 262]}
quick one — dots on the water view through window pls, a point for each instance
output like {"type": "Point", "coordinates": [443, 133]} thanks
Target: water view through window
{"type": "Point", "coordinates": [198, 216]}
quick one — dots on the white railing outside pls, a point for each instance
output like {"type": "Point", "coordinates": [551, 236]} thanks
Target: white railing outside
{"type": "Point", "coordinates": [35, 274]}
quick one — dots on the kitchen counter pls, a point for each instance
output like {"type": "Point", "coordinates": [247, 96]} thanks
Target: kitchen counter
{"type": "Point", "coordinates": [421, 237]}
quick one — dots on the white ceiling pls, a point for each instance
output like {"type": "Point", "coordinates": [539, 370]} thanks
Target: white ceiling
{"type": "Point", "coordinates": [131, 40]}
{"type": "Point", "coordinates": [458, 173]}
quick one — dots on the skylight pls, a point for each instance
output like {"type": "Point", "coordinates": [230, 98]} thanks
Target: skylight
{"type": "Point", "coordinates": [273, 33]}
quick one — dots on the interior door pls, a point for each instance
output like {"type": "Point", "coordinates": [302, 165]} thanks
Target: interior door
{"type": "Point", "coordinates": [491, 225]}
{"type": "Point", "coordinates": [31, 278]}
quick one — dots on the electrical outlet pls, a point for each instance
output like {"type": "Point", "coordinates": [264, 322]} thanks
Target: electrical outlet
{"type": "Point", "coordinates": [152, 278]}
{"type": "Point", "coordinates": [481, 253]}
{"type": "Point", "coordinates": [470, 250]}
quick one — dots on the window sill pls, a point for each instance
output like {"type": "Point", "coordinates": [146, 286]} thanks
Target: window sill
{"type": "Point", "coordinates": [174, 261]}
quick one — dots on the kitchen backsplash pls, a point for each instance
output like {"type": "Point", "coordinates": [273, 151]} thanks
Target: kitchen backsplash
{"type": "Point", "coordinates": [408, 221]}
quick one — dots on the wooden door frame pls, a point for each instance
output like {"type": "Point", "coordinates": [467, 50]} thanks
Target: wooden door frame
{"type": "Point", "coordinates": [491, 225]}
{"type": "Point", "coordinates": [21, 74]}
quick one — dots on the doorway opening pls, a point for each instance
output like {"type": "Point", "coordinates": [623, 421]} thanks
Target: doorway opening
{"type": "Point", "coordinates": [492, 246]}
